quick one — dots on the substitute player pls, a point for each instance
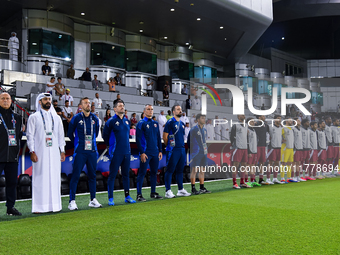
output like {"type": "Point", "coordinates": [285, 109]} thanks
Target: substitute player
{"type": "Point", "coordinates": [274, 150]}
{"type": "Point", "coordinates": [252, 152]}
{"type": "Point", "coordinates": [287, 152]}
{"type": "Point", "coordinates": [330, 146]}
{"type": "Point", "coordinates": [336, 140]}
{"type": "Point", "coordinates": [322, 148]}
{"type": "Point", "coordinates": [238, 138]}
{"type": "Point", "coordinates": [313, 158]}
{"type": "Point", "coordinates": [306, 144]}
{"type": "Point", "coordinates": [116, 137]}
{"type": "Point", "coordinates": [82, 131]}
{"type": "Point", "coordinates": [149, 145]}
{"type": "Point", "coordinates": [198, 154]}
{"type": "Point", "coordinates": [173, 137]}
{"type": "Point", "coordinates": [298, 150]}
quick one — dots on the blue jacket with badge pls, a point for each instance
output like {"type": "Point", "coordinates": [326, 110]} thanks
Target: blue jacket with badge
{"type": "Point", "coordinates": [148, 137]}
{"type": "Point", "coordinates": [76, 131]}
{"type": "Point", "coordinates": [174, 127]}
{"type": "Point", "coordinates": [116, 133]}
{"type": "Point", "coordinates": [196, 138]}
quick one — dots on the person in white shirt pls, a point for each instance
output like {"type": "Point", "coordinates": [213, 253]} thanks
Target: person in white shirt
{"type": "Point", "coordinates": [193, 121]}
{"type": "Point", "coordinates": [225, 130]}
{"type": "Point", "coordinates": [149, 84]}
{"type": "Point", "coordinates": [67, 116]}
{"type": "Point", "coordinates": [97, 101]}
{"type": "Point", "coordinates": [210, 130]}
{"type": "Point", "coordinates": [184, 118]}
{"type": "Point", "coordinates": [161, 122]}
{"type": "Point", "coordinates": [196, 104]}
{"type": "Point", "coordinates": [186, 131]}
{"type": "Point", "coordinates": [50, 86]}
{"type": "Point", "coordinates": [217, 130]}
{"type": "Point", "coordinates": [66, 97]}
{"type": "Point", "coordinates": [13, 46]}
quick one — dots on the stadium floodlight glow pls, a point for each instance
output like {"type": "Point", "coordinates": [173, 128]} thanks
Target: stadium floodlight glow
{"type": "Point", "coordinates": [187, 43]}
{"type": "Point", "coordinates": [221, 27]}
{"type": "Point", "coordinates": [198, 19]}
{"type": "Point", "coordinates": [172, 10]}
{"type": "Point", "coordinates": [141, 30]}
{"type": "Point", "coordinates": [165, 37]}
{"type": "Point", "coordinates": [82, 14]}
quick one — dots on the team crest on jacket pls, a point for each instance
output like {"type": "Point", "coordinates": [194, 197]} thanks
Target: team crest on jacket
{"type": "Point", "coordinates": [147, 126]}
{"type": "Point", "coordinates": [117, 123]}
{"type": "Point", "coordinates": [81, 122]}
{"type": "Point", "coordinates": [155, 125]}
{"type": "Point", "coordinates": [127, 123]}
{"type": "Point", "coordinates": [0, 122]}
{"type": "Point", "coordinates": [93, 122]}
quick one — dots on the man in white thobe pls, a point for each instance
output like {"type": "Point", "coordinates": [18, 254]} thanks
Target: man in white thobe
{"type": "Point", "coordinates": [45, 140]}
{"type": "Point", "coordinates": [210, 130]}
{"type": "Point", "coordinates": [161, 122]}
{"type": "Point", "coordinates": [184, 118]}
{"type": "Point", "coordinates": [13, 46]}
{"type": "Point", "coordinates": [225, 130]}
{"type": "Point", "coordinates": [196, 104]}
{"type": "Point", "coordinates": [217, 130]}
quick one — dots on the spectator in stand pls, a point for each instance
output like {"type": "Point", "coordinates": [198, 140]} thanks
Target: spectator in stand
{"type": "Point", "coordinates": [93, 108]}
{"type": "Point", "coordinates": [86, 75]}
{"type": "Point", "coordinates": [188, 103]}
{"type": "Point", "coordinates": [97, 101]}
{"type": "Point", "coordinates": [117, 99]}
{"type": "Point", "coordinates": [66, 97]}
{"type": "Point", "coordinates": [154, 118]}
{"type": "Point", "coordinates": [59, 88]}
{"type": "Point", "coordinates": [142, 116]}
{"type": "Point", "coordinates": [50, 86]}
{"type": "Point", "coordinates": [262, 107]}
{"type": "Point", "coordinates": [80, 109]}
{"type": "Point", "coordinates": [118, 80]}
{"type": "Point", "coordinates": [46, 69]}
{"type": "Point", "coordinates": [168, 116]}
{"type": "Point", "coordinates": [70, 72]}
{"type": "Point", "coordinates": [186, 131]}
{"type": "Point", "coordinates": [217, 130]}
{"type": "Point", "coordinates": [149, 86]}
{"type": "Point", "coordinates": [193, 121]}
{"type": "Point", "coordinates": [166, 95]}
{"type": "Point", "coordinates": [161, 122]}
{"type": "Point", "coordinates": [184, 118]}
{"type": "Point", "coordinates": [133, 131]}
{"type": "Point", "coordinates": [126, 114]}
{"type": "Point", "coordinates": [184, 90]}
{"type": "Point", "coordinates": [210, 130]}
{"type": "Point", "coordinates": [133, 119]}
{"type": "Point", "coordinates": [112, 85]}
{"type": "Point", "coordinates": [96, 84]}
{"type": "Point", "coordinates": [196, 103]}
{"type": "Point", "coordinates": [57, 108]}
{"type": "Point", "coordinates": [13, 46]}
{"type": "Point", "coordinates": [107, 115]}
{"type": "Point", "coordinates": [67, 116]}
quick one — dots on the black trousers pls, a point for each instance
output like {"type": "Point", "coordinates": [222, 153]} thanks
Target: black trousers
{"type": "Point", "coordinates": [65, 124]}
{"type": "Point", "coordinates": [11, 175]}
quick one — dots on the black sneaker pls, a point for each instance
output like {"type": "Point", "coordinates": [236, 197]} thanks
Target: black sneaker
{"type": "Point", "coordinates": [195, 192]}
{"type": "Point", "coordinates": [260, 181]}
{"type": "Point", "coordinates": [14, 212]}
{"type": "Point", "coordinates": [204, 191]}
{"type": "Point", "coordinates": [156, 196]}
{"type": "Point", "coordinates": [140, 198]}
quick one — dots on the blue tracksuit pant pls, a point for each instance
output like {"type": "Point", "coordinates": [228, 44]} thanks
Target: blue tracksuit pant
{"type": "Point", "coordinates": [154, 162]}
{"type": "Point", "coordinates": [175, 162]}
{"type": "Point", "coordinates": [116, 161]}
{"type": "Point", "coordinates": [79, 160]}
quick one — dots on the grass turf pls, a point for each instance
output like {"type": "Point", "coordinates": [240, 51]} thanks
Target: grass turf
{"type": "Point", "coordinates": [295, 218]}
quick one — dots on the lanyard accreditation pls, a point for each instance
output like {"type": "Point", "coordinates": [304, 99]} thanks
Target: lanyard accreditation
{"type": "Point", "coordinates": [88, 138]}
{"type": "Point", "coordinates": [10, 132]}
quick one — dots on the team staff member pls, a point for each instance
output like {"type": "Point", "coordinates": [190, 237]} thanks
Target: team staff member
{"type": "Point", "coordinates": [116, 137]}
{"type": "Point", "coordinates": [82, 131]}
{"type": "Point", "coordinates": [261, 130]}
{"type": "Point", "coordinates": [173, 137]}
{"type": "Point", "coordinates": [238, 139]}
{"type": "Point", "coordinates": [10, 133]}
{"type": "Point", "coordinates": [149, 145]}
{"type": "Point", "coordinates": [198, 153]}
{"type": "Point", "coordinates": [274, 153]}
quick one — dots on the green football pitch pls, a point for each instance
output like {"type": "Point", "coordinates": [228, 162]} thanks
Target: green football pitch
{"type": "Point", "coordinates": [295, 218]}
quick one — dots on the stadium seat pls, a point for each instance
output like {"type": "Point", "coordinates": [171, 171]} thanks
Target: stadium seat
{"type": "Point", "coordinates": [24, 186]}
{"type": "Point", "coordinates": [186, 174]}
{"type": "Point", "coordinates": [133, 179]}
{"type": "Point", "coordinates": [65, 184]}
{"type": "Point", "coordinates": [2, 188]}
{"type": "Point", "coordinates": [83, 186]}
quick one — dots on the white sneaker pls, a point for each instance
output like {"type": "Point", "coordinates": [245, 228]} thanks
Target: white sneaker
{"type": "Point", "coordinates": [269, 182]}
{"type": "Point", "coordinates": [183, 193]}
{"type": "Point", "coordinates": [94, 203]}
{"type": "Point", "coordinates": [276, 181]}
{"type": "Point", "coordinates": [296, 179]}
{"type": "Point", "coordinates": [301, 180]}
{"type": "Point", "coordinates": [72, 205]}
{"type": "Point", "coordinates": [169, 194]}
